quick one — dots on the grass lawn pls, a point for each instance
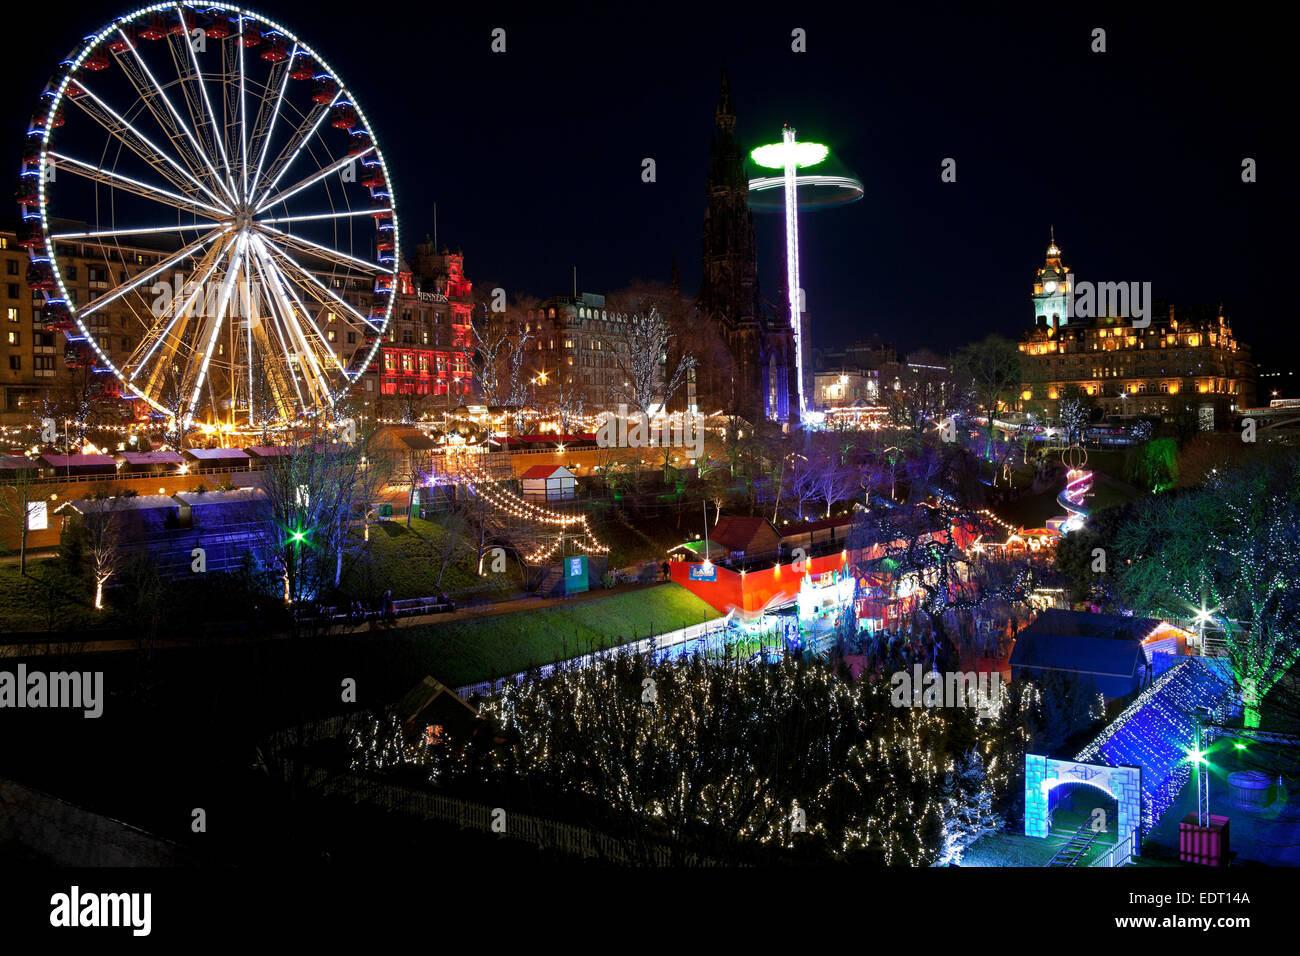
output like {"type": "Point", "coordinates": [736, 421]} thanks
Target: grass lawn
{"type": "Point", "coordinates": [642, 540]}
{"type": "Point", "coordinates": [407, 561]}
{"type": "Point", "coordinates": [47, 596]}
{"type": "Point", "coordinates": [462, 652]}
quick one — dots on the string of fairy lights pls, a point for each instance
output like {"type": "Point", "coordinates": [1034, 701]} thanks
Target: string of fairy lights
{"type": "Point", "coordinates": [1157, 732]}
{"type": "Point", "coordinates": [493, 491]}
{"type": "Point", "coordinates": [864, 778]}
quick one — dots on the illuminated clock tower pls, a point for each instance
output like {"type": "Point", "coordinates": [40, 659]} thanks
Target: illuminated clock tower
{"type": "Point", "coordinates": [1052, 289]}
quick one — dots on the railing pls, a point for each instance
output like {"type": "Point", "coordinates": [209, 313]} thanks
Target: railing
{"type": "Point", "coordinates": [1121, 854]}
{"type": "Point", "coordinates": [659, 642]}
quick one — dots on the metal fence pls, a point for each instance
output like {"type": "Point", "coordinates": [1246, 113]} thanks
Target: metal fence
{"type": "Point", "coordinates": [692, 632]}
{"type": "Point", "coordinates": [1121, 854]}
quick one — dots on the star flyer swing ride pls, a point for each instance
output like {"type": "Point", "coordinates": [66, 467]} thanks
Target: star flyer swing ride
{"type": "Point", "coordinates": [233, 189]}
{"type": "Point", "coordinates": [819, 191]}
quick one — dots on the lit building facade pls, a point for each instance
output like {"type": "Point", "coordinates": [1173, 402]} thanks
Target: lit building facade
{"type": "Point", "coordinates": [577, 342]}
{"type": "Point", "coordinates": [425, 355]}
{"type": "Point", "coordinates": [1180, 364]}
{"type": "Point", "coordinates": [39, 362]}
{"type": "Point", "coordinates": [850, 386]}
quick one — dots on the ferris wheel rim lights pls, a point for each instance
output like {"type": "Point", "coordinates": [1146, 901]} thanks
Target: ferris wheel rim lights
{"type": "Point", "coordinates": [56, 92]}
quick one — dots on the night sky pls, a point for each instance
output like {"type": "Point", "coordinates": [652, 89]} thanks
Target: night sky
{"type": "Point", "coordinates": [534, 156]}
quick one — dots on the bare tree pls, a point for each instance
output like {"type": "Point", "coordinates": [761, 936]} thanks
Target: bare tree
{"type": "Point", "coordinates": [567, 402]}
{"type": "Point", "coordinates": [804, 481]}
{"type": "Point", "coordinates": [315, 492]}
{"type": "Point", "coordinates": [491, 337]}
{"type": "Point", "coordinates": [992, 366]}
{"type": "Point", "coordinates": [517, 378]}
{"type": "Point", "coordinates": [454, 543]}
{"type": "Point", "coordinates": [501, 353]}
{"type": "Point", "coordinates": [924, 399]}
{"type": "Point", "coordinates": [103, 523]}
{"type": "Point", "coordinates": [20, 491]}
{"type": "Point", "coordinates": [645, 381]}
{"type": "Point", "coordinates": [833, 481]}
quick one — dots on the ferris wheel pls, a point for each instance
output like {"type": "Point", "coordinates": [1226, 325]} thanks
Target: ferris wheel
{"type": "Point", "coordinates": [230, 206]}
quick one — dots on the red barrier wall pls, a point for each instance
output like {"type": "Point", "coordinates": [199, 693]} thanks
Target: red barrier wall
{"type": "Point", "coordinates": [753, 590]}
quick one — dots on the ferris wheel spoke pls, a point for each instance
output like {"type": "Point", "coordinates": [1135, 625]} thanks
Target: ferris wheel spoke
{"type": "Point", "coordinates": [320, 286]}
{"type": "Point", "coordinates": [127, 184]}
{"type": "Point", "coordinates": [325, 252]}
{"type": "Point", "coordinates": [349, 214]}
{"type": "Point", "coordinates": [312, 179]}
{"type": "Point", "coordinates": [263, 347]}
{"type": "Point", "coordinates": [168, 332]}
{"type": "Point", "coordinates": [294, 147]}
{"type": "Point", "coordinates": [148, 230]}
{"type": "Point", "coordinates": [212, 328]}
{"type": "Point", "coordinates": [201, 129]}
{"type": "Point", "coordinates": [243, 123]}
{"type": "Point", "coordinates": [262, 131]}
{"type": "Point", "coordinates": [192, 76]}
{"type": "Point", "coordinates": [171, 121]}
{"type": "Point", "coordinates": [187, 252]}
{"type": "Point", "coordinates": [285, 285]}
{"type": "Point", "coordinates": [138, 143]}
{"type": "Point", "coordinates": [285, 326]}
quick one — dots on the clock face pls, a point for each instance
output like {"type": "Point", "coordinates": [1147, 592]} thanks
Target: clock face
{"type": "Point", "coordinates": [1050, 285]}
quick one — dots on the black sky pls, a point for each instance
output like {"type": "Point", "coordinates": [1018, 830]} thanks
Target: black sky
{"type": "Point", "coordinates": [534, 156]}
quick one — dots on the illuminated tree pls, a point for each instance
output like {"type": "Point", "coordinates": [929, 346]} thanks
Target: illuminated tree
{"type": "Point", "coordinates": [726, 763]}
{"type": "Point", "coordinates": [1231, 552]}
{"type": "Point", "coordinates": [1075, 416]}
{"type": "Point", "coordinates": [316, 492]}
{"type": "Point", "coordinates": [643, 380]}
{"type": "Point", "coordinates": [103, 523]}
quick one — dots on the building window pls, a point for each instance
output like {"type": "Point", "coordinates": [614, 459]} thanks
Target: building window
{"type": "Point", "coordinates": [12, 313]}
{"type": "Point", "coordinates": [11, 266]}
{"type": "Point", "coordinates": [16, 362]}
{"type": "Point", "coordinates": [14, 338]}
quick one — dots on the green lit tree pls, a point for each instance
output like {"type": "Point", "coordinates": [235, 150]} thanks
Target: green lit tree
{"type": "Point", "coordinates": [1231, 550]}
